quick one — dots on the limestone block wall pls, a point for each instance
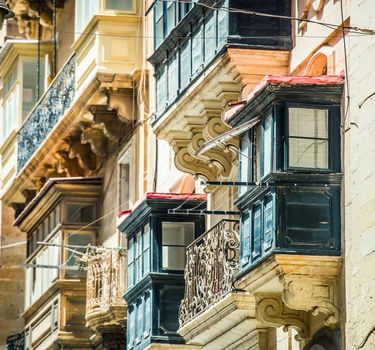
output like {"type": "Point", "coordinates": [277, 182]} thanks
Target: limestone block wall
{"type": "Point", "coordinates": [360, 185]}
{"type": "Point", "coordinates": [12, 276]}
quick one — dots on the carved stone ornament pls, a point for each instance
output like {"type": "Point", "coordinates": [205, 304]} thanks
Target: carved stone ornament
{"type": "Point", "coordinates": [271, 311]}
{"type": "Point", "coordinates": [316, 5]}
{"type": "Point", "coordinates": [316, 294]}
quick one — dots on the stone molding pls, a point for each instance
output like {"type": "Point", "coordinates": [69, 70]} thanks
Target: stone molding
{"type": "Point", "coordinates": [273, 312]}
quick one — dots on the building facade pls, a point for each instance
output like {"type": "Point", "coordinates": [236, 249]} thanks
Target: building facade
{"type": "Point", "coordinates": [187, 175]}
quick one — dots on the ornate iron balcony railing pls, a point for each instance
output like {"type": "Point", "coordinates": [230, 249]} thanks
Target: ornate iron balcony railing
{"type": "Point", "coordinates": [105, 288]}
{"type": "Point", "coordinates": [212, 264]}
{"type": "Point", "coordinates": [16, 342]}
{"type": "Point", "coordinates": [48, 110]}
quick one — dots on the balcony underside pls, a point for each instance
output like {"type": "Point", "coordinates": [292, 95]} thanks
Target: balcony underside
{"type": "Point", "coordinates": [301, 292]}
{"type": "Point", "coordinates": [90, 129]}
{"type": "Point", "coordinates": [196, 116]}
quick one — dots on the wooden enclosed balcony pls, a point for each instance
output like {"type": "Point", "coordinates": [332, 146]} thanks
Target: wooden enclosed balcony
{"type": "Point", "coordinates": [105, 305]}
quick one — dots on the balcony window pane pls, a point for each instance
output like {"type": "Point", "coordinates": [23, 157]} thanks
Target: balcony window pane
{"type": "Point", "coordinates": [257, 152]}
{"type": "Point", "coordinates": [267, 146]}
{"type": "Point", "coordinates": [210, 37]}
{"type": "Point", "coordinates": [161, 86]}
{"type": "Point", "coordinates": [175, 237]}
{"type": "Point", "coordinates": [138, 257]}
{"type": "Point", "coordinates": [159, 25]}
{"type": "Point", "coordinates": [122, 5]}
{"type": "Point", "coordinates": [171, 16]}
{"type": "Point", "coordinates": [10, 113]}
{"type": "Point", "coordinates": [197, 51]}
{"type": "Point", "coordinates": [185, 64]}
{"type": "Point", "coordinates": [308, 218]}
{"type": "Point", "coordinates": [268, 223]}
{"type": "Point", "coordinates": [222, 26]}
{"type": "Point", "coordinates": [72, 258]}
{"type": "Point", "coordinates": [30, 82]}
{"type": "Point", "coordinates": [245, 160]}
{"type": "Point", "coordinates": [173, 78]}
{"type": "Point", "coordinates": [85, 10]}
{"type": "Point", "coordinates": [146, 249]}
{"type": "Point", "coordinates": [130, 272]}
{"type": "Point", "coordinates": [178, 233]}
{"type": "Point", "coordinates": [245, 238]}
{"type": "Point", "coordinates": [80, 213]}
{"type": "Point", "coordinates": [257, 231]}
{"type": "Point", "coordinates": [308, 138]}
{"type": "Point", "coordinates": [174, 258]}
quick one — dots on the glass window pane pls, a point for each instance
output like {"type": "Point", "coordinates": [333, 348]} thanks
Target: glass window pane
{"type": "Point", "coordinates": [267, 146]}
{"type": "Point", "coordinates": [210, 37]}
{"type": "Point", "coordinates": [245, 238]}
{"type": "Point", "coordinates": [123, 5]}
{"type": "Point", "coordinates": [308, 217]}
{"type": "Point", "coordinates": [222, 26]}
{"type": "Point", "coordinates": [268, 223]}
{"type": "Point", "coordinates": [308, 122]}
{"type": "Point", "coordinates": [185, 64]}
{"type": "Point", "coordinates": [173, 78]}
{"type": "Point", "coordinates": [257, 231]}
{"type": "Point", "coordinates": [178, 233]}
{"type": "Point", "coordinates": [130, 274]}
{"type": "Point", "coordinates": [308, 153]}
{"type": "Point", "coordinates": [79, 213]}
{"type": "Point", "coordinates": [130, 250]}
{"type": "Point", "coordinates": [257, 152]}
{"type": "Point", "coordinates": [173, 258]}
{"type": "Point", "coordinates": [171, 16]}
{"type": "Point", "coordinates": [161, 86]}
{"type": "Point", "coordinates": [72, 258]}
{"type": "Point", "coordinates": [197, 50]}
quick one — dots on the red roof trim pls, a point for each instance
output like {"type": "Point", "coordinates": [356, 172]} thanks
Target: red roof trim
{"type": "Point", "coordinates": [287, 80]}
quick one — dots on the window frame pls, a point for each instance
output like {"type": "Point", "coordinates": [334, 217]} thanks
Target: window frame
{"type": "Point", "coordinates": [133, 237]}
{"type": "Point", "coordinates": [160, 221]}
{"type": "Point", "coordinates": [333, 139]}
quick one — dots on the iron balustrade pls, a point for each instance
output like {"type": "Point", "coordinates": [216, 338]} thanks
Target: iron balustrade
{"type": "Point", "coordinates": [48, 110]}
{"type": "Point", "coordinates": [16, 342]}
{"type": "Point", "coordinates": [212, 262]}
{"type": "Point", "coordinates": [105, 282]}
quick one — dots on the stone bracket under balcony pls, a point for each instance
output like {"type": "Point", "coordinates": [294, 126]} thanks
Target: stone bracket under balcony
{"type": "Point", "coordinates": [196, 117]}
{"type": "Point", "coordinates": [271, 311]}
{"type": "Point", "coordinates": [305, 292]}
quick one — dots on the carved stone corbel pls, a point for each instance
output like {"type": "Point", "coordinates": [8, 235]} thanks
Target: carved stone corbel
{"type": "Point", "coordinates": [122, 101]}
{"type": "Point", "coordinates": [87, 159]}
{"type": "Point", "coordinates": [316, 294]}
{"type": "Point", "coordinates": [95, 137]}
{"type": "Point", "coordinates": [111, 125]}
{"type": "Point", "coordinates": [67, 165]}
{"type": "Point", "coordinates": [272, 312]}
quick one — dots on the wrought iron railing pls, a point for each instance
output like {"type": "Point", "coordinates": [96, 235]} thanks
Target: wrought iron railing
{"type": "Point", "coordinates": [16, 342]}
{"type": "Point", "coordinates": [105, 284]}
{"type": "Point", "coordinates": [212, 262]}
{"type": "Point", "coordinates": [48, 110]}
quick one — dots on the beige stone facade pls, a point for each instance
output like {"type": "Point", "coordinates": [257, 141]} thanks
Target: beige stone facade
{"type": "Point", "coordinates": [112, 129]}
